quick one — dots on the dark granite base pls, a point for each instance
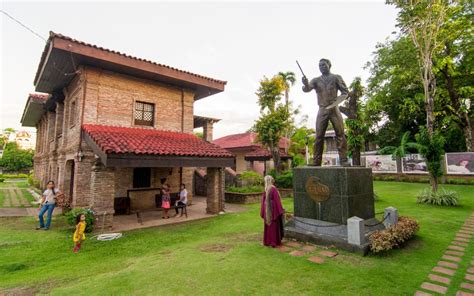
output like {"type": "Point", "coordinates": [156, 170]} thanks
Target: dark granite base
{"type": "Point", "coordinates": [327, 233]}
{"type": "Point", "coordinates": [325, 223]}
{"type": "Point", "coordinates": [350, 188]}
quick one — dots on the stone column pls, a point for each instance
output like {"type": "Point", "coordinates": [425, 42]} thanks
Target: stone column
{"type": "Point", "coordinates": [102, 191]}
{"type": "Point", "coordinates": [215, 190]}
{"type": "Point", "coordinates": [82, 175]}
{"type": "Point", "coordinates": [208, 131]}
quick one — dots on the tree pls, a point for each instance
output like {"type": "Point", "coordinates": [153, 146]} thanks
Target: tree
{"type": "Point", "coordinates": [454, 63]}
{"type": "Point", "coordinates": [288, 80]}
{"type": "Point", "coordinates": [15, 159]}
{"type": "Point", "coordinates": [394, 95]}
{"type": "Point", "coordinates": [402, 149]}
{"type": "Point", "coordinates": [6, 135]}
{"type": "Point", "coordinates": [423, 21]}
{"type": "Point", "coordinates": [275, 118]}
{"type": "Point", "coordinates": [395, 101]}
{"type": "Point", "coordinates": [354, 121]}
{"type": "Point", "coordinates": [301, 139]}
{"type": "Point", "coordinates": [431, 148]}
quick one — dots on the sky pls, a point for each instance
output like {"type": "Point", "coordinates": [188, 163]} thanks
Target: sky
{"type": "Point", "coordinates": [239, 42]}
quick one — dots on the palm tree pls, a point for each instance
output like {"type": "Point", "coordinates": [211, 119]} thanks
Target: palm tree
{"type": "Point", "coordinates": [6, 135]}
{"type": "Point", "coordinates": [289, 80]}
{"type": "Point", "coordinates": [401, 150]}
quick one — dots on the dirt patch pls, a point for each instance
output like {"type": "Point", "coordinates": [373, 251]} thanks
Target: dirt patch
{"type": "Point", "coordinates": [244, 236]}
{"type": "Point", "coordinates": [216, 248]}
{"type": "Point", "coordinates": [355, 260]}
{"type": "Point", "coordinates": [19, 292]}
{"type": "Point", "coordinates": [12, 244]}
{"type": "Point", "coordinates": [413, 244]}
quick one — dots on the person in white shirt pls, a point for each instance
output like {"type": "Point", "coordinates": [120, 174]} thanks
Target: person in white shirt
{"type": "Point", "coordinates": [47, 204]}
{"type": "Point", "coordinates": [183, 200]}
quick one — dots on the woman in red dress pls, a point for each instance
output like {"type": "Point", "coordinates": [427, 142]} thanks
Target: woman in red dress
{"type": "Point", "coordinates": [272, 214]}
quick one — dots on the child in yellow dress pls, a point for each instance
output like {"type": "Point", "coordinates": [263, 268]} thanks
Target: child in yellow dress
{"type": "Point", "coordinates": [79, 235]}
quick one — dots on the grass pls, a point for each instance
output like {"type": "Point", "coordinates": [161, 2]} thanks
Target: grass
{"type": "Point", "coordinates": [223, 256]}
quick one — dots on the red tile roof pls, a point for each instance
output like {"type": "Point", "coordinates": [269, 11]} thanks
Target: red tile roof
{"type": "Point", "coordinates": [40, 98]}
{"type": "Point", "coordinates": [244, 140]}
{"type": "Point", "coordinates": [264, 153]}
{"type": "Point", "coordinates": [126, 140]}
{"type": "Point", "coordinates": [53, 35]}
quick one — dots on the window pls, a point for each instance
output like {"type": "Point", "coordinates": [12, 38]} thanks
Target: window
{"type": "Point", "coordinates": [72, 113]}
{"type": "Point", "coordinates": [141, 177]}
{"type": "Point", "coordinates": [144, 113]}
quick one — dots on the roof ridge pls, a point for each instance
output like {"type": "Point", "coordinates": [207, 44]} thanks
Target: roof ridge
{"type": "Point", "coordinates": [64, 37]}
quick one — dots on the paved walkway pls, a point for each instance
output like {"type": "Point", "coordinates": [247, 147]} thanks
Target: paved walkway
{"type": "Point", "coordinates": [196, 211]}
{"type": "Point", "coordinates": [314, 254]}
{"type": "Point", "coordinates": [440, 278]}
{"type": "Point", "coordinates": [24, 212]}
{"type": "Point", "coordinates": [14, 197]}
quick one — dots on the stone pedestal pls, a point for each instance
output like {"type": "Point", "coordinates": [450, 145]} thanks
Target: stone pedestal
{"type": "Point", "coordinates": [325, 198]}
{"type": "Point", "coordinates": [351, 193]}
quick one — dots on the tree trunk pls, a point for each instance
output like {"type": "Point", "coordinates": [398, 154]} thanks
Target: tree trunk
{"type": "Point", "coordinates": [433, 183]}
{"type": "Point", "coordinates": [469, 135]}
{"type": "Point", "coordinates": [356, 156]}
{"type": "Point", "coordinates": [276, 159]}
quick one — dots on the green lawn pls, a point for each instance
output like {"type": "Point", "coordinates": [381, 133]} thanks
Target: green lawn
{"type": "Point", "coordinates": [180, 259]}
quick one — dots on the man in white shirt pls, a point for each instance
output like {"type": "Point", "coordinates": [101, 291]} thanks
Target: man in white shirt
{"type": "Point", "coordinates": [183, 200]}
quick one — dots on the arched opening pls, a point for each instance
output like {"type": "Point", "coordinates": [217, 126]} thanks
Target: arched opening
{"type": "Point", "coordinates": [69, 179]}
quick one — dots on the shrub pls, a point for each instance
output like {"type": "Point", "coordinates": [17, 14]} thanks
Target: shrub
{"type": "Point", "coordinates": [245, 189]}
{"type": "Point", "coordinates": [71, 217]}
{"type": "Point", "coordinates": [2, 180]}
{"type": "Point", "coordinates": [285, 180]}
{"type": "Point", "coordinates": [442, 197]}
{"type": "Point", "coordinates": [14, 176]}
{"type": "Point", "coordinates": [33, 182]}
{"type": "Point", "coordinates": [393, 236]}
{"type": "Point", "coordinates": [251, 178]}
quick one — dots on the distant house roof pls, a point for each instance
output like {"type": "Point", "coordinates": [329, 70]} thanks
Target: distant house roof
{"type": "Point", "coordinates": [62, 55]}
{"type": "Point", "coordinates": [34, 109]}
{"type": "Point", "coordinates": [244, 140]}
{"type": "Point", "coordinates": [263, 154]}
{"type": "Point", "coordinates": [122, 146]}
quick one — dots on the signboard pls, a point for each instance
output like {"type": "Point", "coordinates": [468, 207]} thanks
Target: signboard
{"type": "Point", "coordinates": [460, 163]}
{"type": "Point", "coordinates": [381, 163]}
{"type": "Point", "coordinates": [329, 159]}
{"type": "Point", "coordinates": [414, 164]}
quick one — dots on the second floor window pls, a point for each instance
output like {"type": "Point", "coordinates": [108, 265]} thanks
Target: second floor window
{"type": "Point", "coordinates": [72, 113]}
{"type": "Point", "coordinates": [144, 113]}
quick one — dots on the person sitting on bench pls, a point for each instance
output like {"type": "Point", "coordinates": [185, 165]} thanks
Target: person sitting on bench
{"type": "Point", "coordinates": [183, 200]}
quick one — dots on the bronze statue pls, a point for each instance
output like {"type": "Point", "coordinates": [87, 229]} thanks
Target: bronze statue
{"type": "Point", "coordinates": [326, 87]}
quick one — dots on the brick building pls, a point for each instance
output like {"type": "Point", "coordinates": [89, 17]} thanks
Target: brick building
{"type": "Point", "coordinates": [249, 154]}
{"type": "Point", "coordinates": [111, 125]}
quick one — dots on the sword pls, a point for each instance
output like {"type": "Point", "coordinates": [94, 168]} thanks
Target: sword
{"type": "Point", "coordinates": [300, 68]}
{"type": "Point", "coordinates": [338, 100]}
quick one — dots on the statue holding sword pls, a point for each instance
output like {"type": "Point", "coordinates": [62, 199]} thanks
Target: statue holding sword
{"type": "Point", "coordinates": [327, 86]}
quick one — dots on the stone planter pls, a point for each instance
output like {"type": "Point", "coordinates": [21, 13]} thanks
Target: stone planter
{"type": "Point", "coordinates": [243, 198]}
{"type": "Point", "coordinates": [285, 192]}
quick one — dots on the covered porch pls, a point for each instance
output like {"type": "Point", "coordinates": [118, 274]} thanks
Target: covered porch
{"type": "Point", "coordinates": [136, 162]}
